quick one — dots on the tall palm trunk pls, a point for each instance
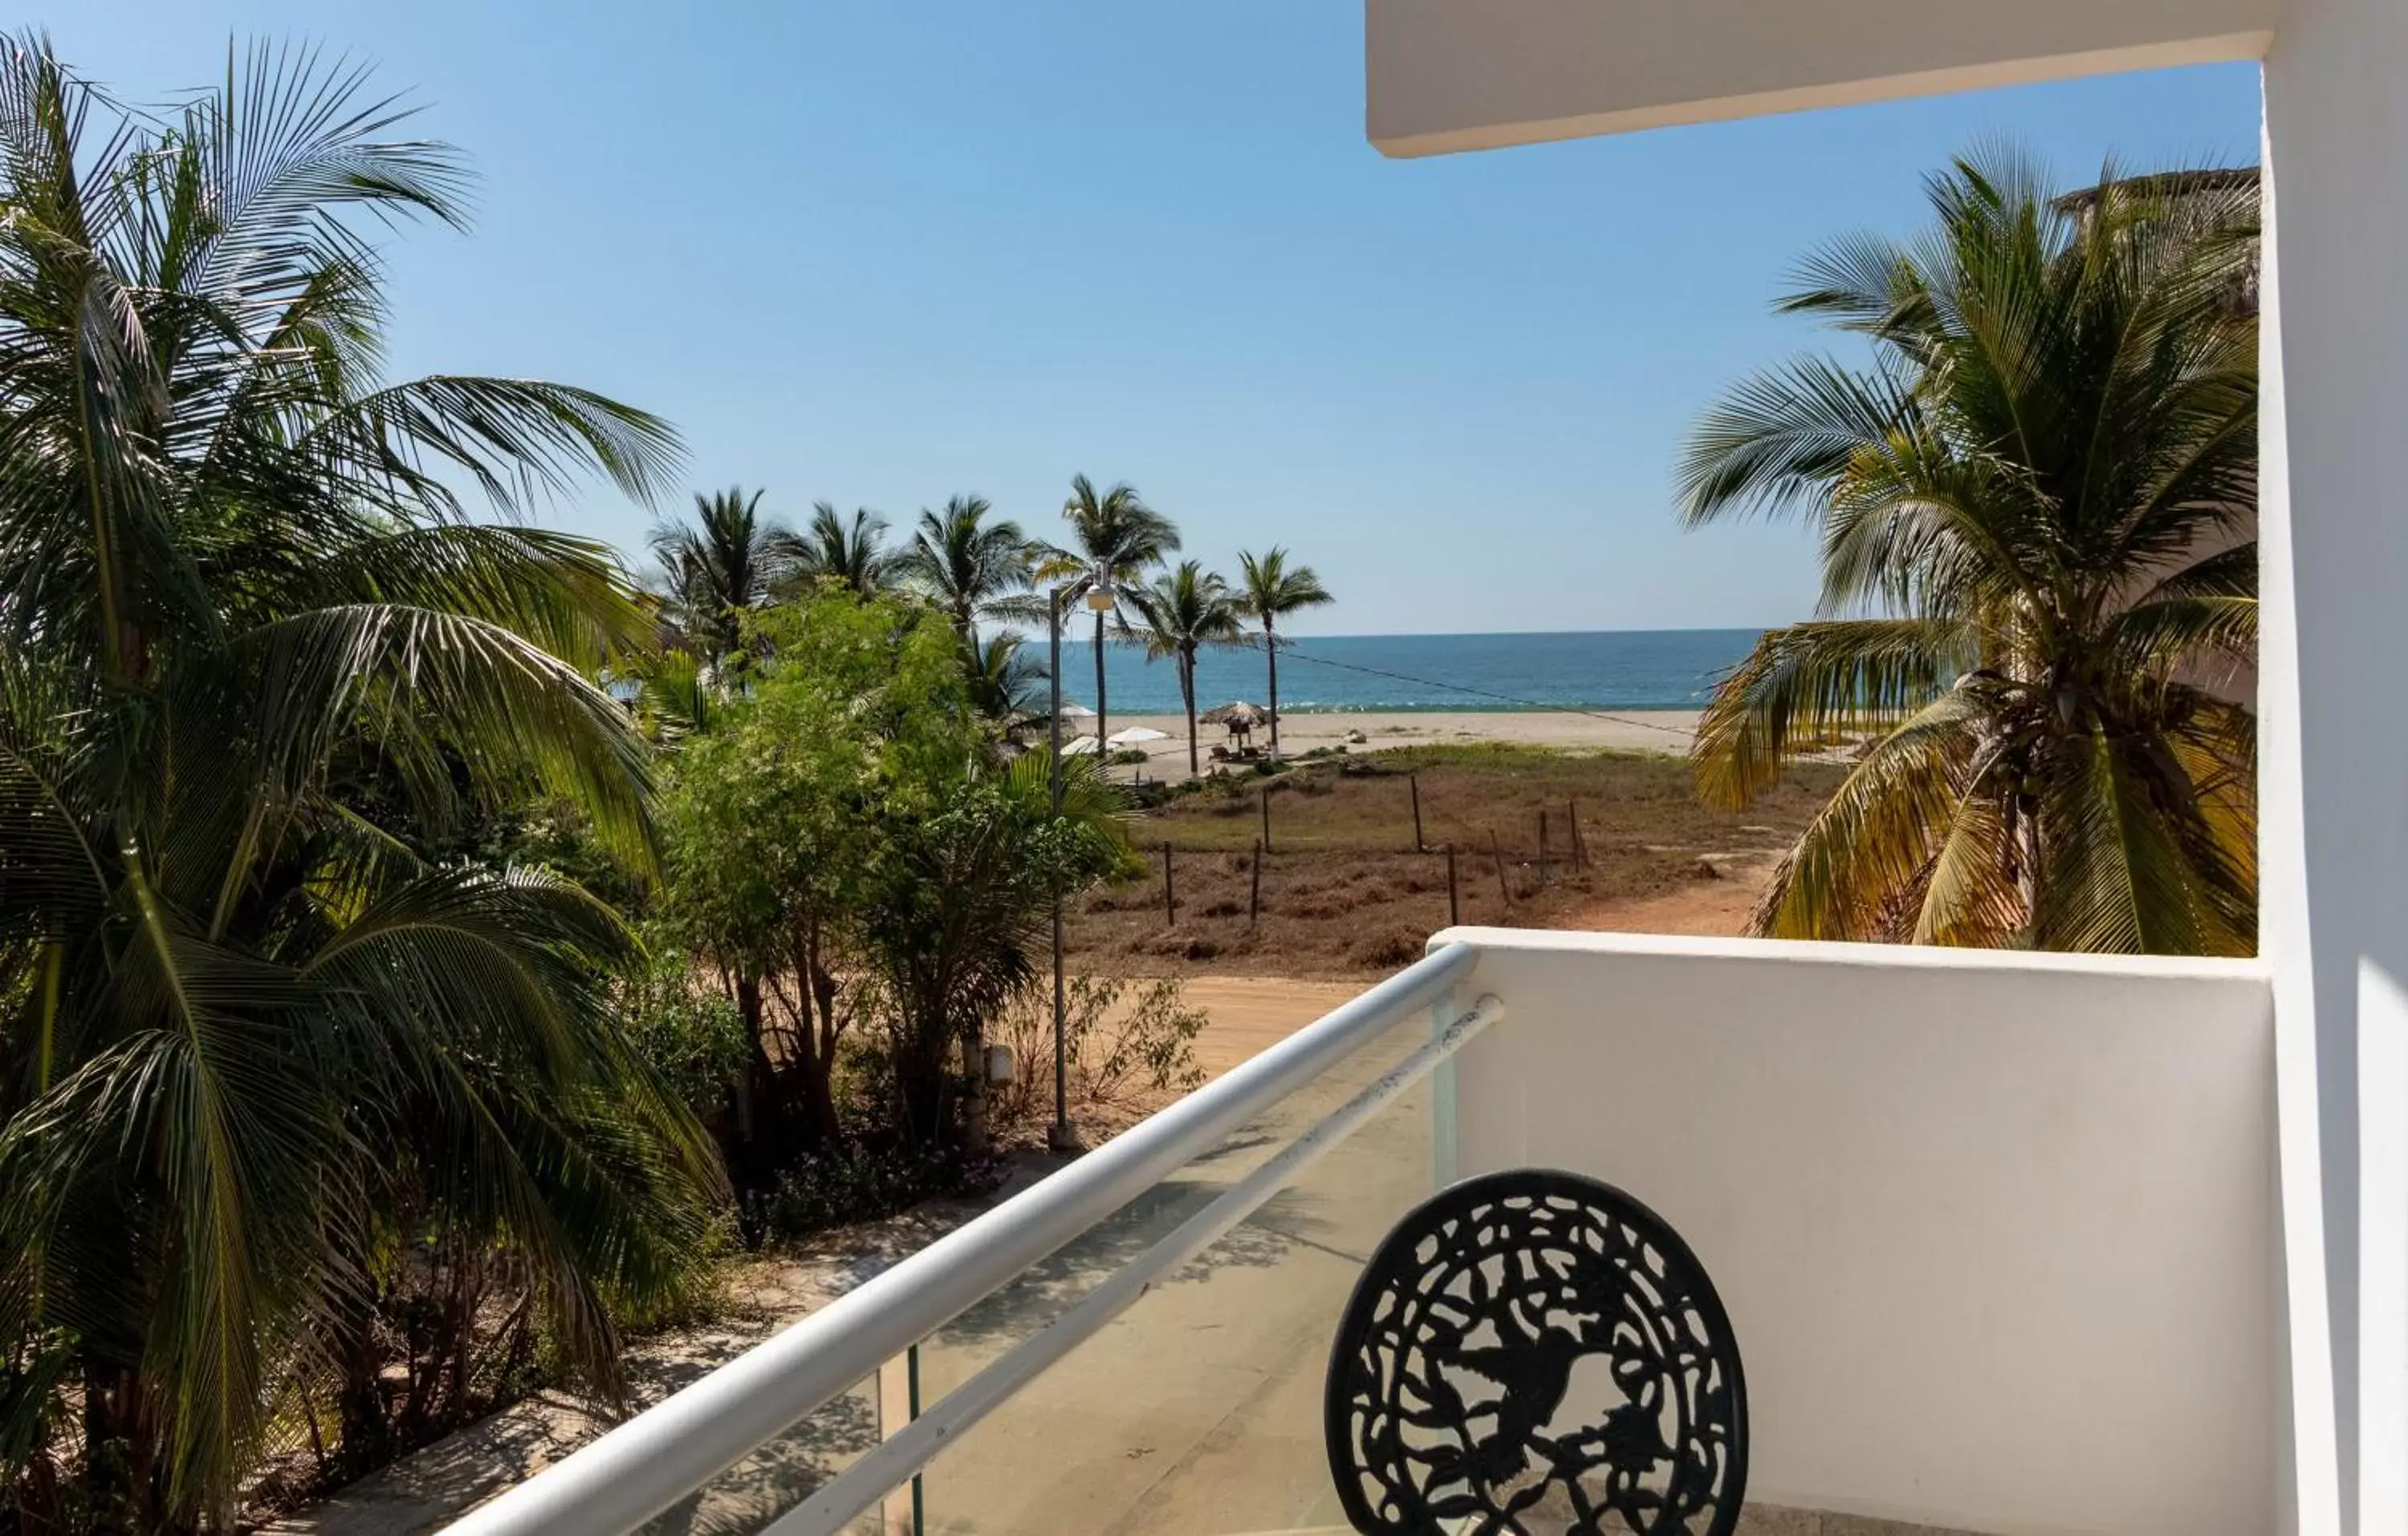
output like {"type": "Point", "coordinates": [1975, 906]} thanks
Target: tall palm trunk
{"type": "Point", "coordinates": [1187, 696]}
{"type": "Point", "coordinates": [1270, 650]}
{"type": "Point", "coordinates": [1099, 684]}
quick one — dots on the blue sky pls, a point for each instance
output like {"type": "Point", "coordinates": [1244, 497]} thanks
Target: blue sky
{"type": "Point", "coordinates": [880, 253]}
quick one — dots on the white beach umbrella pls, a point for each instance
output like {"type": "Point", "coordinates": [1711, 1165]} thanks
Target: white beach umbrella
{"type": "Point", "coordinates": [1072, 710]}
{"type": "Point", "coordinates": [1082, 746]}
{"type": "Point", "coordinates": [1137, 735]}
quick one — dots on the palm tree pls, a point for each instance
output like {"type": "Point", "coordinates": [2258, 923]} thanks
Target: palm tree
{"type": "Point", "coordinates": [725, 563]}
{"type": "Point", "coordinates": [256, 663]}
{"type": "Point", "coordinates": [1185, 610]}
{"type": "Point", "coordinates": [851, 554]}
{"type": "Point", "coordinates": [976, 569]}
{"type": "Point", "coordinates": [1003, 680]}
{"type": "Point", "coordinates": [1115, 538]}
{"type": "Point", "coordinates": [1268, 592]}
{"type": "Point", "coordinates": [2034, 510]}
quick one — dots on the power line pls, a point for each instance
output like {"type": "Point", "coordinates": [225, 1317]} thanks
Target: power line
{"type": "Point", "coordinates": [1484, 693]}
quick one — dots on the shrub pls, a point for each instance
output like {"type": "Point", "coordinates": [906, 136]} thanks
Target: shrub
{"type": "Point", "coordinates": [855, 1182]}
{"type": "Point", "coordinates": [1120, 1047]}
{"type": "Point", "coordinates": [690, 1034]}
{"type": "Point", "coordinates": [1398, 947]}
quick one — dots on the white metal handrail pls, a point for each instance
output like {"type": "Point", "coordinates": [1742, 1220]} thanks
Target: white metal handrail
{"type": "Point", "coordinates": [649, 1463]}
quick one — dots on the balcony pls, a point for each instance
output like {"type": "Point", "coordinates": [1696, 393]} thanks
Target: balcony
{"type": "Point", "coordinates": [1998, 1236]}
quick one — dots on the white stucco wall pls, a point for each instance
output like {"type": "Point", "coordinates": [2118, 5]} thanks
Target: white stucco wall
{"type": "Point", "coordinates": [2335, 863]}
{"type": "Point", "coordinates": [1996, 1232]}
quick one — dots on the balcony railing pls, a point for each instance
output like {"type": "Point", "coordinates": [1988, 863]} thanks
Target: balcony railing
{"type": "Point", "coordinates": [2000, 1237]}
{"type": "Point", "coordinates": [648, 1464]}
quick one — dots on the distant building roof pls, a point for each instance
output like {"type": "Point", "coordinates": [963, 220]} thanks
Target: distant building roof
{"type": "Point", "coordinates": [2225, 180]}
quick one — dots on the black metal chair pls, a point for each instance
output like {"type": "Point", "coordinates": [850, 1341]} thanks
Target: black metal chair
{"type": "Point", "coordinates": [1534, 1353]}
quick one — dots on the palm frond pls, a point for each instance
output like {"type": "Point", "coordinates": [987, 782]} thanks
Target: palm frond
{"type": "Point", "coordinates": [1807, 685]}
{"type": "Point", "coordinates": [519, 440]}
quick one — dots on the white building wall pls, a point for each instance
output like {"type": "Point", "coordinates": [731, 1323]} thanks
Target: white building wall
{"type": "Point", "coordinates": [1994, 1230]}
{"type": "Point", "coordinates": [2336, 834]}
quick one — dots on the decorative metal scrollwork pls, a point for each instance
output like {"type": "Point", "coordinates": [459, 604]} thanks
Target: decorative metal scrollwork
{"type": "Point", "coordinates": [1531, 1354]}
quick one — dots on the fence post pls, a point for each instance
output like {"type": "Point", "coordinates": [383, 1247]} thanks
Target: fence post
{"type": "Point", "coordinates": [1453, 897]}
{"type": "Point", "coordinates": [1542, 846]}
{"type": "Point", "coordinates": [1497, 853]}
{"type": "Point", "coordinates": [1580, 849]}
{"type": "Point", "coordinates": [1413, 781]}
{"type": "Point", "coordinates": [1266, 815]}
{"type": "Point", "coordinates": [1169, 893]}
{"type": "Point", "coordinates": [1254, 897]}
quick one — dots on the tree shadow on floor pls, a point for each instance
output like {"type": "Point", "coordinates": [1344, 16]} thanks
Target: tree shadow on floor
{"type": "Point", "coordinates": [1291, 1219]}
{"type": "Point", "coordinates": [781, 1473]}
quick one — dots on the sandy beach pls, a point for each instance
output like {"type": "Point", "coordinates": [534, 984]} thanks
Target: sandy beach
{"type": "Point", "coordinates": [1666, 731]}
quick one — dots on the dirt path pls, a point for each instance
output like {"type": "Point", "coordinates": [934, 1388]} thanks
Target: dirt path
{"type": "Point", "coordinates": [1720, 907]}
{"type": "Point", "coordinates": [1252, 1013]}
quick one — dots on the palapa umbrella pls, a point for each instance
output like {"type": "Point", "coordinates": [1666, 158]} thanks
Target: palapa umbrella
{"type": "Point", "coordinates": [1241, 718]}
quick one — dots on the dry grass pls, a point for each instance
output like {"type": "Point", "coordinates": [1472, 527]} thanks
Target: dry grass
{"type": "Point", "coordinates": [1344, 892]}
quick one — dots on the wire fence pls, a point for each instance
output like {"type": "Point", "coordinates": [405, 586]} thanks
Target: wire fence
{"type": "Point", "coordinates": [1549, 845]}
{"type": "Point", "coordinates": [1285, 817]}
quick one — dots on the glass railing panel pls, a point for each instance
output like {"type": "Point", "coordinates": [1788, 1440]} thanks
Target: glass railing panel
{"type": "Point", "coordinates": [786, 1470]}
{"type": "Point", "coordinates": [1197, 1410]}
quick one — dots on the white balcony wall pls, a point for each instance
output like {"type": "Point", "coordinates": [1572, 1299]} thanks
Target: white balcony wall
{"type": "Point", "coordinates": [1999, 1234]}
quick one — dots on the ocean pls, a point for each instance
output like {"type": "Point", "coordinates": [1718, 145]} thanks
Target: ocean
{"type": "Point", "coordinates": [1602, 669]}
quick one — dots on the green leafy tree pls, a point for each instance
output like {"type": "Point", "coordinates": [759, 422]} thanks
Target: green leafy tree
{"type": "Point", "coordinates": [973, 566]}
{"type": "Point", "coordinates": [776, 818]}
{"type": "Point", "coordinates": [848, 817]}
{"type": "Point", "coordinates": [1269, 591]}
{"type": "Point", "coordinates": [957, 919]}
{"type": "Point", "coordinates": [2033, 508]}
{"type": "Point", "coordinates": [1115, 538]}
{"type": "Point", "coordinates": [1184, 611]}
{"type": "Point", "coordinates": [256, 663]}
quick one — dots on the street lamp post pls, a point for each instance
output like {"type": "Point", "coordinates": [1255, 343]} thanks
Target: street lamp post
{"type": "Point", "coordinates": [1062, 1137]}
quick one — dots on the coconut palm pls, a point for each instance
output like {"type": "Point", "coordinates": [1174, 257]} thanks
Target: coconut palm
{"type": "Point", "coordinates": [254, 665]}
{"type": "Point", "coordinates": [723, 564]}
{"type": "Point", "coordinates": [1115, 537]}
{"type": "Point", "coordinates": [1184, 611]}
{"type": "Point", "coordinates": [975, 569]}
{"type": "Point", "coordinates": [1003, 680]}
{"type": "Point", "coordinates": [851, 554]}
{"type": "Point", "coordinates": [1268, 592]}
{"type": "Point", "coordinates": [2033, 509]}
